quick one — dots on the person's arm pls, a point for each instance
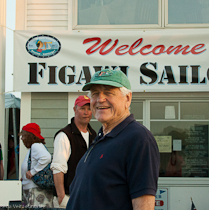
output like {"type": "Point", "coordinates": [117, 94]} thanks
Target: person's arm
{"type": "Point", "coordinates": [1, 170]}
{"type": "Point", "coordinates": [62, 151]}
{"type": "Point", "coordinates": [143, 170]}
{"type": "Point", "coordinates": [59, 185]}
{"type": "Point", "coordinates": [145, 202]}
{"type": "Point", "coordinates": [40, 156]}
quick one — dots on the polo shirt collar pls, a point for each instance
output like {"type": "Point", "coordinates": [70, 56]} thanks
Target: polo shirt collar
{"type": "Point", "coordinates": [116, 130]}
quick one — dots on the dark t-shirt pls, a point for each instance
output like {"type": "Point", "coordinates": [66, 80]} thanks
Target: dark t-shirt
{"type": "Point", "coordinates": [118, 167]}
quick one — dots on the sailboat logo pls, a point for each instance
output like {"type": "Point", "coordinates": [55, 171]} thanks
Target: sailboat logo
{"type": "Point", "coordinates": [43, 46]}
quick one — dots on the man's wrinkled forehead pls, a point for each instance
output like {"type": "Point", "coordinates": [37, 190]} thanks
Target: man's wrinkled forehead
{"type": "Point", "coordinates": [103, 87]}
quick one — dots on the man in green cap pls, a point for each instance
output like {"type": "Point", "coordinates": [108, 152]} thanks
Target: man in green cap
{"type": "Point", "coordinates": [120, 169]}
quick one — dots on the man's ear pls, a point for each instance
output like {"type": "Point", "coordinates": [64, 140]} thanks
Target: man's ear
{"type": "Point", "coordinates": [128, 100]}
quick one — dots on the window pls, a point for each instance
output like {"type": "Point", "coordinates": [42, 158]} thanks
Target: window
{"type": "Point", "coordinates": [117, 14]}
{"type": "Point", "coordinates": [188, 12]}
{"type": "Point", "coordinates": [181, 130]}
{"type": "Point", "coordinates": [137, 109]}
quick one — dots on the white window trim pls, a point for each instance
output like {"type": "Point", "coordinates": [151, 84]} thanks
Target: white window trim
{"type": "Point", "coordinates": [183, 182]}
{"type": "Point", "coordinates": [179, 111]}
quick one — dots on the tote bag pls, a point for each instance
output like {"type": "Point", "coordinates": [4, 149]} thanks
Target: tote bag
{"type": "Point", "coordinates": [44, 178]}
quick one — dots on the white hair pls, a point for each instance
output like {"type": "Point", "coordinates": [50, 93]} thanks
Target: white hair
{"type": "Point", "coordinates": [125, 91]}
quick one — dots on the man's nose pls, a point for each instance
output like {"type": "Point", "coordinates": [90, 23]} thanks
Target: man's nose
{"type": "Point", "coordinates": [101, 97]}
{"type": "Point", "coordinates": [86, 111]}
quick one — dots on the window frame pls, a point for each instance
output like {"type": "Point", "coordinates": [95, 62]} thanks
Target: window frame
{"type": "Point", "coordinates": [162, 21]}
{"type": "Point", "coordinates": [75, 25]}
{"type": "Point", "coordinates": [175, 181]}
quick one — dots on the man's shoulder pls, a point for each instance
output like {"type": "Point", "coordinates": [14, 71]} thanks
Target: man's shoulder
{"type": "Point", "coordinates": [135, 125]}
{"type": "Point", "coordinates": [61, 135]}
{"type": "Point", "coordinates": [137, 129]}
{"type": "Point", "coordinates": [65, 129]}
{"type": "Point", "coordinates": [61, 139]}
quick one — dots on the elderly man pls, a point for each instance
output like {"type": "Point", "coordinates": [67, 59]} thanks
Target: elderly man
{"type": "Point", "coordinates": [70, 144]}
{"type": "Point", "coordinates": [120, 169]}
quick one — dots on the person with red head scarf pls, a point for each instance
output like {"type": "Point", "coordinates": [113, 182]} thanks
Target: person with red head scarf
{"type": "Point", "coordinates": [33, 196]}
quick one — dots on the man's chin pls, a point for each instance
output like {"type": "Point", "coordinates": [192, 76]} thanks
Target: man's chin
{"type": "Point", "coordinates": [101, 119]}
{"type": "Point", "coordinates": [86, 120]}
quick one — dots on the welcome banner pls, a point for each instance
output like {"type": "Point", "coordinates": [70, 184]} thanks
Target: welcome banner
{"type": "Point", "coordinates": [154, 61]}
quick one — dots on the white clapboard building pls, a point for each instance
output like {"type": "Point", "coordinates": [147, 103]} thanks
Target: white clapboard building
{"type": "Point", "coordinates": [163, 48]}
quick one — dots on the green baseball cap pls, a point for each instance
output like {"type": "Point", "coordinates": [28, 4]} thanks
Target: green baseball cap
{"type": "Point", "coordinates": [115, 78]}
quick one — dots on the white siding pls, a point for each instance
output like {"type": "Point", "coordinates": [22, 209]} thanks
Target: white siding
{"type": "Point", "coordinates": [47, 15]}
{"type": "Point", "coordinates": [50, 112]}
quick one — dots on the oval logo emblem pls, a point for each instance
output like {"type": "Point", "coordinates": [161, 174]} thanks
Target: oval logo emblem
{"type": "Point", "coordinates": [43, 46]}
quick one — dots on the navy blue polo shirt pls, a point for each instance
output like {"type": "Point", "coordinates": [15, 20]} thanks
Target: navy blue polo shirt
{"type": "Point", "coordinates": [118, 167]}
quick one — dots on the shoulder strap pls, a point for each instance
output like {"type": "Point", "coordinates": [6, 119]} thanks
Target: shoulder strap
{"type": "Point", "coordinates": [29, 160]}
{"type": "Point", "coordinates": [45, 147]}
